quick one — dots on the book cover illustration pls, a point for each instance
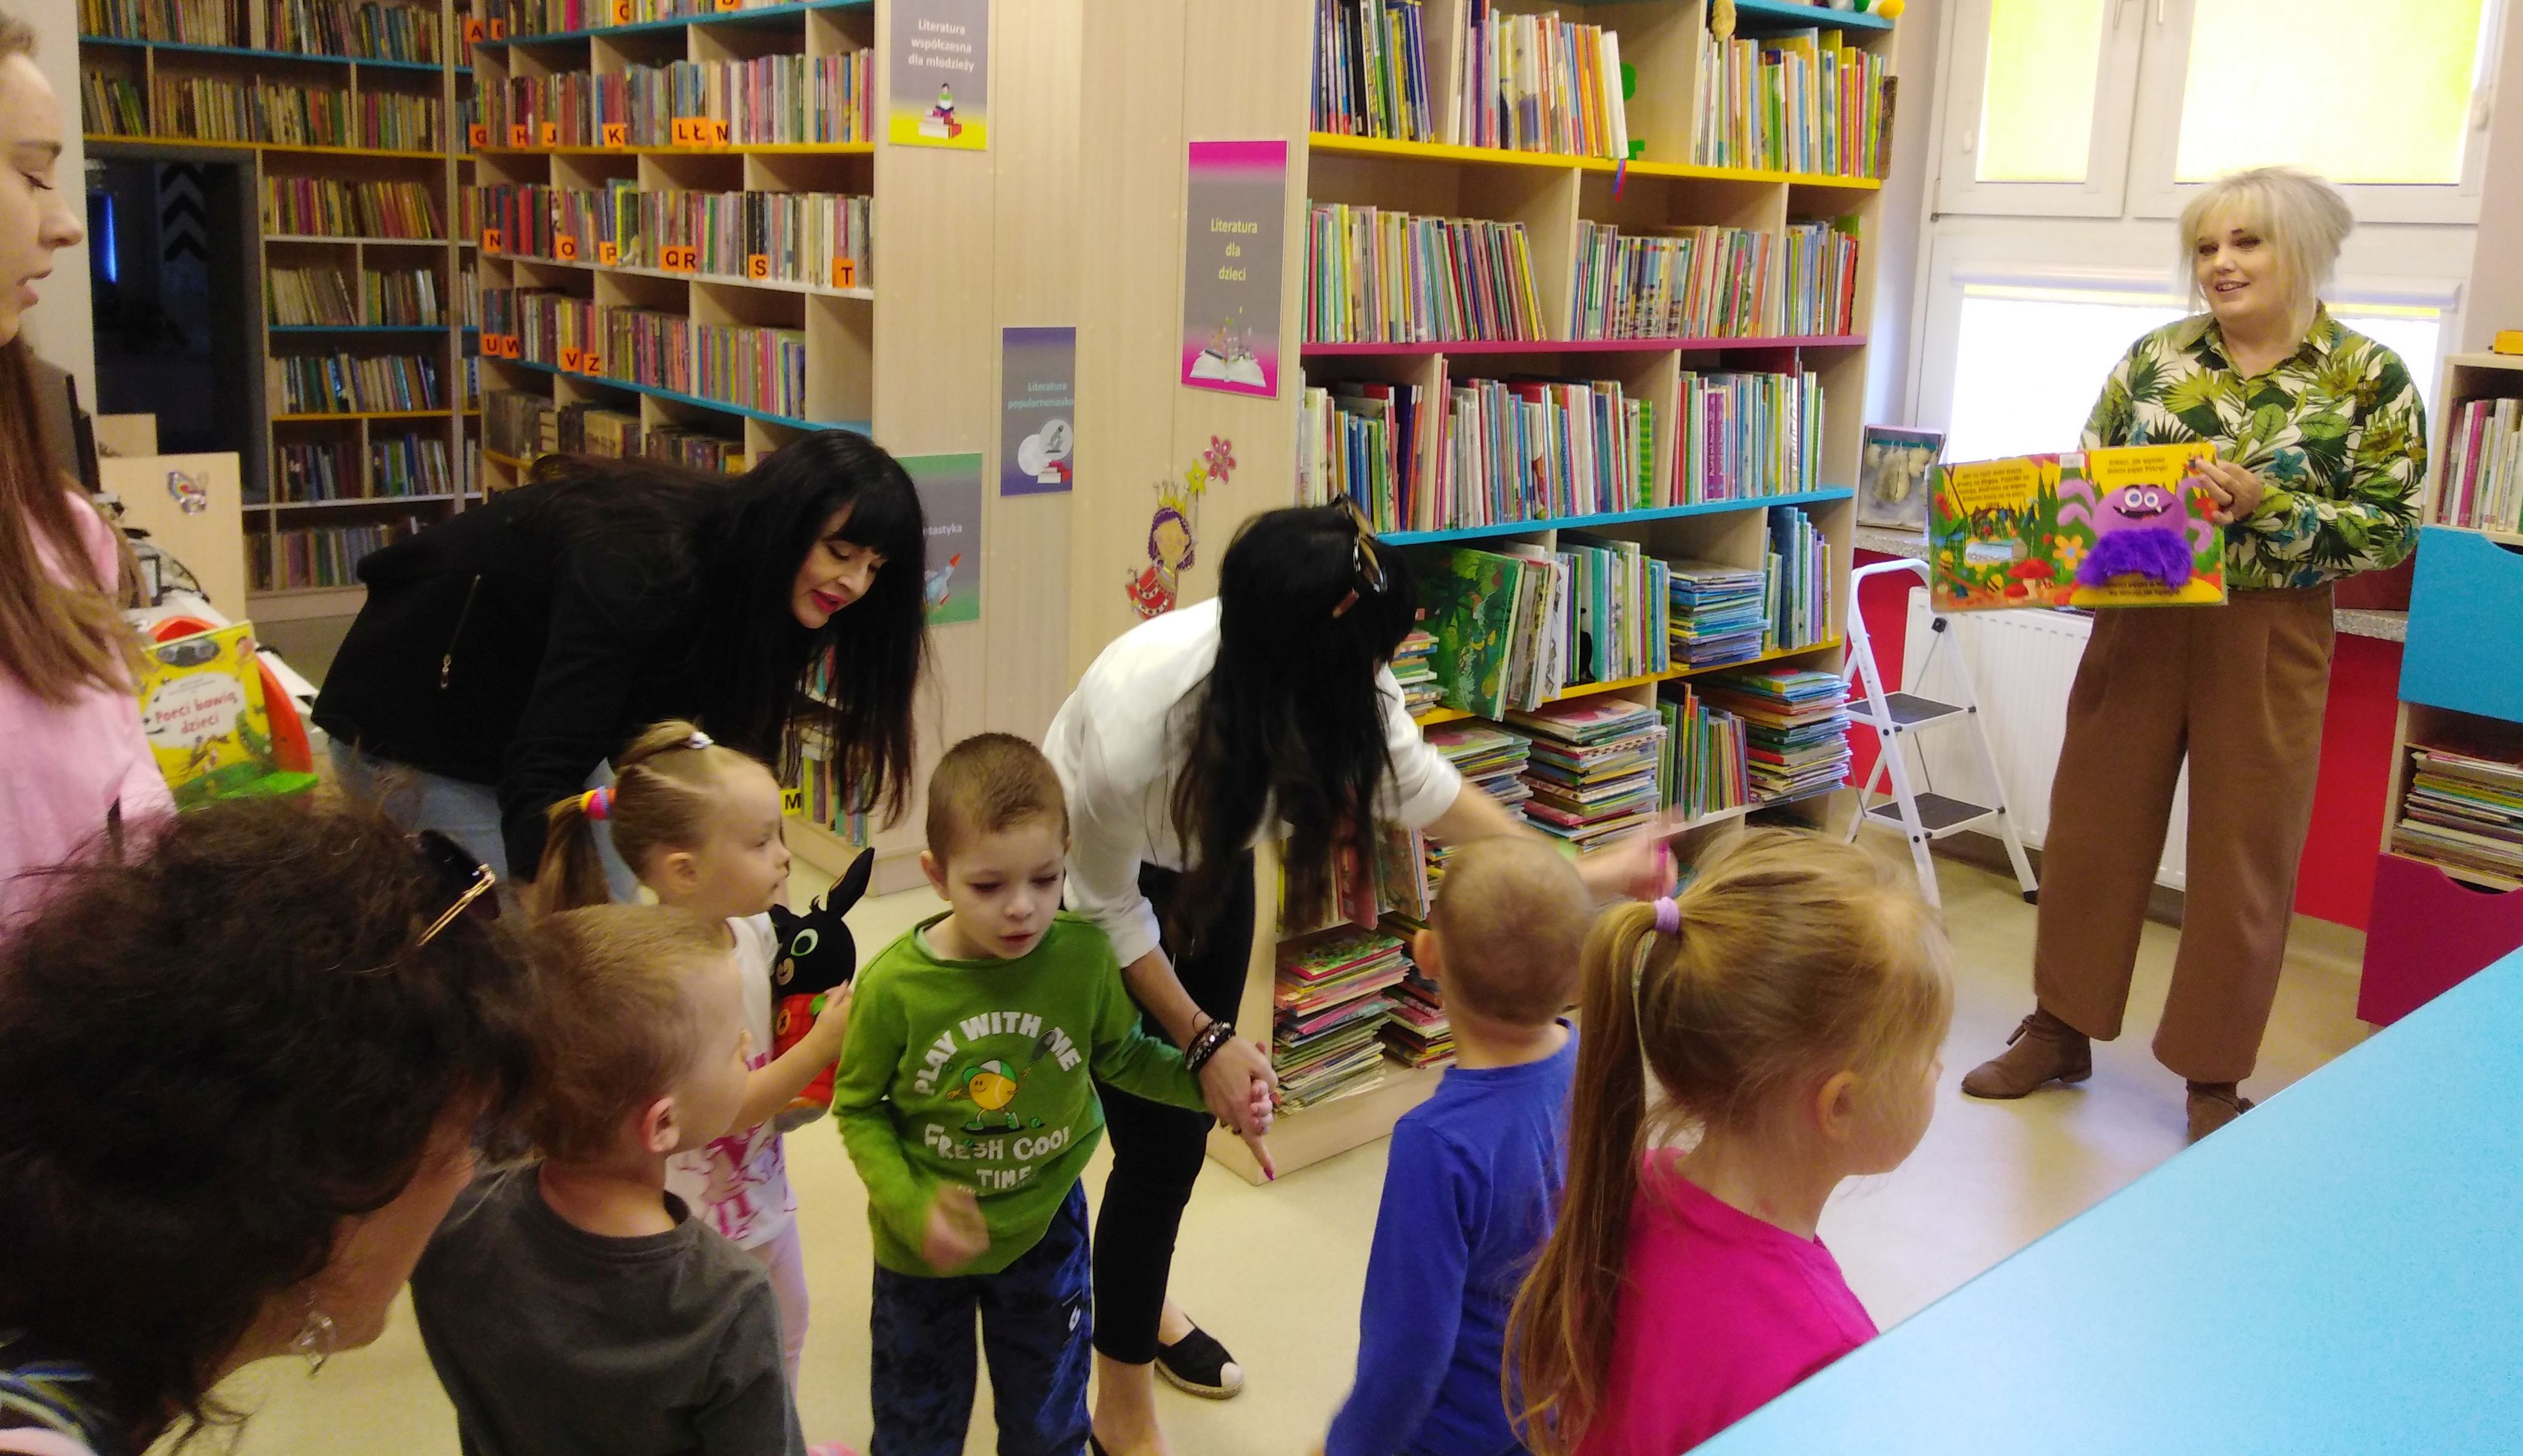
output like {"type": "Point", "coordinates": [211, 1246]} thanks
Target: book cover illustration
{"type": "Point", "coordinates": [2108, 528]}
{"type": "Point", "coordinates": [1472, 607]}
{"type": "Point", "coordinates": [201, 706]}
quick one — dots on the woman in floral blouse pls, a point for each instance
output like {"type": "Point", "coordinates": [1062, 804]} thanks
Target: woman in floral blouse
{"type": "Point", "coordinates": [2321, 447]}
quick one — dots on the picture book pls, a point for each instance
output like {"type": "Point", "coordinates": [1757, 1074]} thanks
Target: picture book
{"type": "Point", "coordinates": [2125, 527]}
{"type": "Point", "coordinates": [201, 705]}
{"type": "Point", "coordinates": [1471, 607]}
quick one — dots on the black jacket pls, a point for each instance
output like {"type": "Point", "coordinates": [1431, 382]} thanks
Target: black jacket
{"type": "Point", "coordinates": [494, 651]}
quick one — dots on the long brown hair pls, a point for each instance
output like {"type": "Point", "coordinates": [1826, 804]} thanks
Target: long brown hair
{"type": "Point", "coordinates": [665, 789]}
{"type": "Point", "coordinates": [62, 630]}
{"type": "Point", "coordinates": [1795, 955]}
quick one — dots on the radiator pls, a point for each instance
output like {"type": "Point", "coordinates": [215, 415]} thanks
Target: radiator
{"type": "Point", "coordinates": [2023, 664]}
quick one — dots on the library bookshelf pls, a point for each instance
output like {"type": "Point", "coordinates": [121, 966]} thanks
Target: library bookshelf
{"type": "Point", "coordinates": [371, 442]}
{"type": "Point", "coordinates": [1160, 75]}
{"type": "Point", "coordinates": [2443, 909]}
{"type": "Point", "coordinates": [588, 209]}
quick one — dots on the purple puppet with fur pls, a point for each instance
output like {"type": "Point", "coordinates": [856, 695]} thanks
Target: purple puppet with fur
{"type": "Point", "coordinates": [2142, 532]}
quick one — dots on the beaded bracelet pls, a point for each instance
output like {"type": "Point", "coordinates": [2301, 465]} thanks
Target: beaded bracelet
{"type": "Point", "coordinates": [1205, 1046]}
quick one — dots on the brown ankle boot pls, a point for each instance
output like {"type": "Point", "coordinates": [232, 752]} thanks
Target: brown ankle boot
{"type": "Point", "coordinates": [2043, 1049]}
{"type": "Point", "coordinates": [2213, 1105]}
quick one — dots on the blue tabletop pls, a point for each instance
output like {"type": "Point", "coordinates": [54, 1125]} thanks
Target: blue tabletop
{"type": "Point", "coordinates": [2341, 1271]}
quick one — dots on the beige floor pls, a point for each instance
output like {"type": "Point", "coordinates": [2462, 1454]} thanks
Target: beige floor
{"type": "Point", "coordinates": [1276, 1271]}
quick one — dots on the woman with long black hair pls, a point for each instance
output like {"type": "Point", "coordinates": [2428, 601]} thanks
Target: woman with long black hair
{"type": "Point", "coordinates": [504, 654]}
{"type": "Point", "coordinates": [1271, 710]}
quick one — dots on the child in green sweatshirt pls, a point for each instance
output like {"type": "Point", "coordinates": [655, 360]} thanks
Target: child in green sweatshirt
{"type": "Point", "coordinates": [966, 1098]}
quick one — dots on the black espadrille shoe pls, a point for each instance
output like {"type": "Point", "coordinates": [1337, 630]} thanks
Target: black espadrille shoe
{"type": "Point", "coordinates": [1197, 1365]}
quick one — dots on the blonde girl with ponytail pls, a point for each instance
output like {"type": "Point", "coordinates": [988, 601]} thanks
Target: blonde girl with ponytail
{"type": "Point", "coordinates": [700, 824]}
{"type": "Point", "coordinates": [1749, 1042]}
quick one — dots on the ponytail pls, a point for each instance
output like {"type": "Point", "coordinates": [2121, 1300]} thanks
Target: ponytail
{"type": "Point", "coordinates": [666, 786]}
{"type": "Point", "coordinates": [1560, 1332]}
{"type": "Point", "coordinates": [571, 875]}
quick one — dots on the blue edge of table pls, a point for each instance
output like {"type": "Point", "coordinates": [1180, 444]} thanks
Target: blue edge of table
{"type": "Point", "coordinates": [2341, 1271]}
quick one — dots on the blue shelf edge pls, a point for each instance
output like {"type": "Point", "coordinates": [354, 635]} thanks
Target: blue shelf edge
{"type": "Point", "coordinates": [318, 57]}
{"type": "Point", "coordinates": [1614, 518]}
{"type": "Point", "coordinates": [1795, 14]}
{"type": "Point", "coordinates": [855, 427]}
{"type": "Point", "coordinates": [750, 13]}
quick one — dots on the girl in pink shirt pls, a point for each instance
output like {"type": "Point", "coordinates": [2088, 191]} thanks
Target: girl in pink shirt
{"type": "Point", "coordinates": [1789, 1005]}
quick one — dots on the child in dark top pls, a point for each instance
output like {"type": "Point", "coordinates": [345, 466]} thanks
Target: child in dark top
{"type": "Point", "coordinates": [966, 1098]}
{"type": "Point", "coordinates": [575, 1306]}
{"type": "Point", "coordinates": [1474, 1171]}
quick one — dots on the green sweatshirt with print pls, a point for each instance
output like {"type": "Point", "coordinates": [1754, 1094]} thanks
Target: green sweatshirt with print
{"type": "Point", "coordinates": [980, 1072]}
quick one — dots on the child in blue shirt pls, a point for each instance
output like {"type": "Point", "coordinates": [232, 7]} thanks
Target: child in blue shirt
{"type": "Point", "coordinates": [1474, 1171]}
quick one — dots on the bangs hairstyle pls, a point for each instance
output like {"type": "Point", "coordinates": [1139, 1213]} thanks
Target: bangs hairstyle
{"type": "Point", "coordinates": [737, 545]}
{"type": "Point", "coordinates": [211, 1057]}
{"type": "Point", "coordinates": [1797, 957]}
{"type": "Point", "coordinates": [622, 1024]}
{"type": "Point", "coordinates": [2301, 220]}
{"type": "Point", "coordinates": [1291, 716]}
{"type": "Point", "coordinates": [1512, 918]}
{"type": "Point", "coordinates": [989, 783]}
{"type": "Point", "coordinates": [665, 793]}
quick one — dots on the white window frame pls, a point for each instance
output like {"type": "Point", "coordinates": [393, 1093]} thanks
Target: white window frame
{"type": "Point", "coordinates": [1961, 94]}
{"type": "Point", "coordinates": [2156, 140]}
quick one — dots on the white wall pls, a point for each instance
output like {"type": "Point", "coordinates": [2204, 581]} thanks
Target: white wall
{"type": "Point", "coordinates": [59, 328]}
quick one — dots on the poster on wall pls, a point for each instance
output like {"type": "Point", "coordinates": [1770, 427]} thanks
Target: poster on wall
{"type": "Point", "coordinates": [1234, 235]}
{"type": "Point", "coordinates": [1037, 409]}
{"type": "Point", "coordinates": [950, 497]}
{"type": "Point", "coordinates": [941, 74]}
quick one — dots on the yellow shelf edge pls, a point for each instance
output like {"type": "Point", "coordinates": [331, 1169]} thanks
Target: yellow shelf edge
{"type": "Point", "coordinates": [727, 280]}
{"type": "Point", "coordinates": [1436, 716]}
{"type": "Point", "coordinates": [1372, 146]}
{"type": "Point", "coordinates": [366, 414]}
{"type": "Point", "coordinates": [732, 148]}
{"type": "Point", "coordinates": [199, 141]}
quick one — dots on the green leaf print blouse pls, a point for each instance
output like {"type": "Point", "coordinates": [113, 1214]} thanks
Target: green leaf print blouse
{"type": "Point", "coordinates": [2336, 432]}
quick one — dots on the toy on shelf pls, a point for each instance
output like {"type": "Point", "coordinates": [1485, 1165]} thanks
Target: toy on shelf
{"type": "Point", "coordinates": [817, 957]}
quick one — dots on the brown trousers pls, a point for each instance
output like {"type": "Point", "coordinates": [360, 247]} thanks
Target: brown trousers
{"type": "Point", "coordinates": [2241, 689]}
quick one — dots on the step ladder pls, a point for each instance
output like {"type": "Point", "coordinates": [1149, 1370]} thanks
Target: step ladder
{"type": "Point", "coordinates": [1921, 818]}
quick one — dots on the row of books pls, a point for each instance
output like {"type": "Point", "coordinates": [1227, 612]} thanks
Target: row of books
{"type": "Point", "coordinates": [1329, 1009]}
{"type": "Point", "coordinates": [1797, 582]}
{"type": "Point", "coordinates": [824, 792]}
{"type": "Point", "coordinates": [348, 383]}
{"type": "Point", "coordinates": [360, 28]}
{"type": "Point", "coordinates": [319, 295]}
{"type": "Point", "coordinates": [315, 556]}
{"type": "Point", "coordinates": [1746, 435]}
{"type": "Point", "coordinates": [1822, 278]}
{"type": "Point", "coordinates": [1515, 627]}
{"type": "Point", "coordinates": [1803, 101]}
{"type": "Point", "coordinates": [2480, 484]}
{"type": "Point", "coordinates": [111, 105]}
{"type": "Point", "coordinates": [767, 100]}
{"type": "Point", "coordinates": [824, 239]}
{"type": "Point", "coordinates": [1795, 728]}
{"type": "Point", "coordinates": [1371, 70]}
{"type": "Point", "coordinates": [1383, 276]}
{"type": "Point", "coordinates": [550, 17]}
{"type": "Point", "coordinates": [398, 465]}
{"type": "Point", "coordinates": [1689, 283]}
{"type": "Point", "coordinates": [757, 368]}
{"type": "Point", "coordinates": [1704, 767]}
{"type": "Point", "coordinates": [525, 426]}
{"type": "Point", "coordinates": [411, 464]}
{"type": "Point", "coordinates": [2464, 811]}
{"type": "Point", "coordinates": [226, 109]}
{"type": "Point", "coordinates": [329, 207]}
{"type": "Point", "coordinates": [1538, 84]}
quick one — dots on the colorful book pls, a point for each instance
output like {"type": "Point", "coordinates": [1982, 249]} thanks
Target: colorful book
{"type": "Point", "coordinates": [2106, 528]}
{"type": "Point", "coordinates": [1472, 614]}
{"type": "Point", "coordinates": [202, 708]}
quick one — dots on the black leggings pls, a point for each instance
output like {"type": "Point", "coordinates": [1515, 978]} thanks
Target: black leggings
{"type": "Point", "coordinates": [1157, 1148]}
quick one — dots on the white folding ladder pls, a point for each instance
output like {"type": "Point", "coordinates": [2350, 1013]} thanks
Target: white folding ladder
{"type": "Point", "coordinates": [1923, 818]}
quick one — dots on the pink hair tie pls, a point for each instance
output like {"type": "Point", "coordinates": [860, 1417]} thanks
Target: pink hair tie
{"type": "Point", "coordinates": [597, 803]}
{"type": "Point", "coordinates": [1668, 916]}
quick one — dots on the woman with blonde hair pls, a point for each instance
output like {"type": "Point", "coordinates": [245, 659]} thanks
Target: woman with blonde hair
{"type": "Point", "coordinates": [75, 758]}
{"type": "Point", "coordinates": [2321, 443]}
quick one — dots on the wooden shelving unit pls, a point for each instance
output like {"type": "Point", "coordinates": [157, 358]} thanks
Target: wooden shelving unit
{"type": "Point", "coordinates": [158, 67]}
{"type": "Point", "coordinates": [1246, 74]}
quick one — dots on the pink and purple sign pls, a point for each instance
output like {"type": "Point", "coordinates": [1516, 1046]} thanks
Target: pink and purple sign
{"type": "Point", "coordinates": [1234, 240]}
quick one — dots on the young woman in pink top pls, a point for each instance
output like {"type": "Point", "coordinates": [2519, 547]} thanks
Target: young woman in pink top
{"type": "Point", "coordinates": [74, 751]}
{"type": "Point", "coordinates": [1789, 1004]}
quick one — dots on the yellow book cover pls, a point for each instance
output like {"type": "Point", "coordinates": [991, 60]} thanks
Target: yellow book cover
{"type": "Point", "coordinates": [201, 705]}
{"type": "Point", "coordinates": [2121, 527]}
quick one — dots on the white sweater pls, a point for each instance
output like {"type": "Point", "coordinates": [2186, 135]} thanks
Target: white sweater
{"type": "Point", "coordinates": [1121, 739]}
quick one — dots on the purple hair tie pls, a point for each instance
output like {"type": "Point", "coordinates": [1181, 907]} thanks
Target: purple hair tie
{"type": "Point", "coordinates": [1668, 916]}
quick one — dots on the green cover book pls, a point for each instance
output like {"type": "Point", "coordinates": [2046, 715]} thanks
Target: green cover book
{"type": "Point", "coordinates": [1471, 612]}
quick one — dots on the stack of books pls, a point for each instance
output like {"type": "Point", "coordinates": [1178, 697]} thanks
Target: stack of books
{"type": "Point", "coordinates": [1746, 436]}
{"type": "Point", "coordinates": [1594, 768]}
{"type": "Point", "coordinates": [1415, 1032]}
{"type": "Point", "coordinates": [1415, 668]}
{"type": "Point", "coordinates": [1329, 1007]}
{"type": "Point", "coordinates": [1800, 102]}
{"type": "Point", "coordinates": [1691, 283]}
{"type": "Point", "coordinates": [2481, 482]}
{"type": "Point", "coordinates": [1491, 759]}
{"type": "Point", "coordinates": [2464, 811]}
{"type": "Point", "coordinates": [1538, 84]}
{"type": "Point", "coordinates": [1796, 581]}
{"type": "Point", "coordinates": [1822, 278]}
{"type": "Point", "coordinates": [1383, 276]}
{"type": "Point", "coordinates": [1371, 70]}
{"type": "Point", "coordinates": [1795, 728]}
{"type": "Point", "coordinates": [1704, 771]}
{"type": "Point", "coordinates": [1718, 613]}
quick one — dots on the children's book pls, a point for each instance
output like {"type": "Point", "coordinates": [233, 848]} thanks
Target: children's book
{"type": "Point", "coordinates": [2127, 527]}
{"type": "Point", "coordinates": [201, 705]}
{"type": "Point", "coordinates": [1472, 605]}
